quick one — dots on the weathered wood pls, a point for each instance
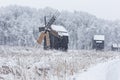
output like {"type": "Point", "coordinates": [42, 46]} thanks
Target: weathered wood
{"type": "Point", "coordinates": [41, 37]}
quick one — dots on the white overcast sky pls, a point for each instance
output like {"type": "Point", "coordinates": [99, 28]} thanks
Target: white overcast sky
{"type": "Point", "coordinates": [106, 9]}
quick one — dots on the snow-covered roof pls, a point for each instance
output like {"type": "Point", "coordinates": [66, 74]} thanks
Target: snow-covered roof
{"type": "Point", "coordinates": [114, 45]}
{"type": "Point", "coordinates": [60, 29]}
{"type": "Point", "coordinates": [63, 33]}
{"type": "Point", "coordinates": [99, 37]}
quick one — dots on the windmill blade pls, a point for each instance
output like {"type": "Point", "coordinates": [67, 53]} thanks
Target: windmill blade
{"type": "Point", "coordinates": [47, 39]}
{"type": "Point", "coordinates": [52, 20]}
{"type": "Point", "coordinates": [41, 37]}
{"type": "Point", "coordinates": [45, 20]}
{"type": "Point", "coordinates": [53, 32]}
{"type": "Point", "coordinates": [57, 13]}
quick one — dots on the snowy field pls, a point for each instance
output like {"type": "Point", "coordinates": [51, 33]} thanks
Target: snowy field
{"type": "Point", "coordinates": [23, 63]}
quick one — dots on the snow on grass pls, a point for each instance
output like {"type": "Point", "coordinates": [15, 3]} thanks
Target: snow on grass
{"type": "Point", "coordinates": [26, 63]}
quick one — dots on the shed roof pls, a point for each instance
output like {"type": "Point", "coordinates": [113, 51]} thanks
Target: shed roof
{"type": "Point", "coordinates": [99, 37]}
{"type": "Point", "coordinates": [115, 45]}
{"type": "Point", "coordinates": [60, 29]}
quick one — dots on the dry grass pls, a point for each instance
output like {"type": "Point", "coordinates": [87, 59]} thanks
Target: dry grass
{"type": "Point", "coordinates": [18, 63]}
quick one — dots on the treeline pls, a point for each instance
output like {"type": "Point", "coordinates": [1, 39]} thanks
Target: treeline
{"type": "Point", "coordinates": [19, 27]}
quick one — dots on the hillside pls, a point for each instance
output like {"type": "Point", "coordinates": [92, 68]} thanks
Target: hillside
{"type": "Point", "coordinates": [19, 27]}
{"type": "Point", "coordinates": [26, 63]}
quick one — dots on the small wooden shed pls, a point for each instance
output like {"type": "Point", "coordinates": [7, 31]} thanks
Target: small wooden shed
{"type": "Point", "coordinates": [115, 47]}
{"type": "Point", "coordinates": [98, 42]}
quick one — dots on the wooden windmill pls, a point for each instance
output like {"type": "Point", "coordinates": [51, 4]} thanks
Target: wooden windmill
{"type": "Point", "coordinates": [52, 38]}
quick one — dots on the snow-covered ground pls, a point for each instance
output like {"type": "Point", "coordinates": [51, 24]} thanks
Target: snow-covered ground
{"type": "Point", "coordinates": [104, 71]}
{"type": "Point", "coordinates": [23, 63]}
